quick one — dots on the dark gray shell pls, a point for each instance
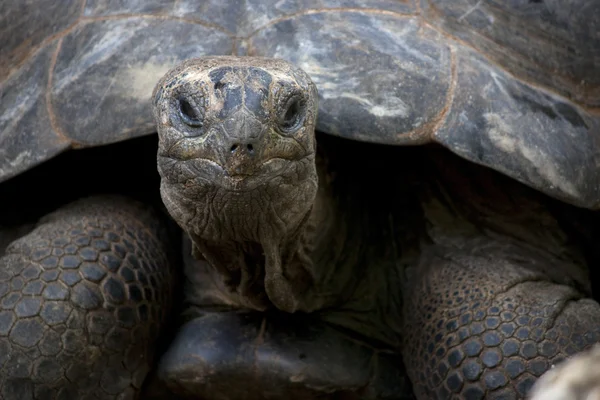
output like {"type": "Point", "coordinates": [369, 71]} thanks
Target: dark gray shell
{"type": "Point", "coordinates": [514, 85]}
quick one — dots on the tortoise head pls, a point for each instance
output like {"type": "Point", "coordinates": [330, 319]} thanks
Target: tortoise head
{"type": "Point", "coordinates": [237, 164]}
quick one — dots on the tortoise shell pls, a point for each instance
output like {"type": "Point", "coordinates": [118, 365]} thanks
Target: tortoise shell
{"type": "Point", "coordinates": [513, 85]}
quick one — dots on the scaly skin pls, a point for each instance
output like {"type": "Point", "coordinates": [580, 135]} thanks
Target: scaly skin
{"type": "Point", "coordinates": [83, 297]}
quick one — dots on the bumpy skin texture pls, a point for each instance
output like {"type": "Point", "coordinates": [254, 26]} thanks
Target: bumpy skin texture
{"type": "Point", "coordinates": [495, 337]}
{"type": "Point", "coordinates": [82, 299]}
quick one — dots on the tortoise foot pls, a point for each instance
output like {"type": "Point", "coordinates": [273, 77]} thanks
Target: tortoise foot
{"type": "Point", "coordinates": [82, 297]}
{"type": "Point", "coordinates": [248, 355]}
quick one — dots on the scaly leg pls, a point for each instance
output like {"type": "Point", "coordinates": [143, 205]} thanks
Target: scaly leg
{"type": "Point", "coordinates": [485, 320]}
{"type": "Point", "coordinates": [82, 299]}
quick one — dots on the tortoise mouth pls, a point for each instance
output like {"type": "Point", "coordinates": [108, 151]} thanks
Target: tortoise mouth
{"type": "Point", "coordinates": [206, 172]}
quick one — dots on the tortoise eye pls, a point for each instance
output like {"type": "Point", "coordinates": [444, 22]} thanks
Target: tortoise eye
{"type": "Point", "coordinates": [188, 114]}
{"type": "Point", "coordinates": [292, 116]}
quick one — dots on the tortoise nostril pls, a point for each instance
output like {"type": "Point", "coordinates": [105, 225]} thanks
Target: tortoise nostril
{"type": "Point", "coordinates": [246, 148]}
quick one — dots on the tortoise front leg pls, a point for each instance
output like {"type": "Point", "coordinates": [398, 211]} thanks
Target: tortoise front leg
{"type": "Point", "coordinates": [82, 298]}
{"type": "Point", "coordinates": [486, 320]}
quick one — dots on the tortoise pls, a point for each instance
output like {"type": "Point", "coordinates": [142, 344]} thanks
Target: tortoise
{"type": "Point", "coordinates": [370, 268]}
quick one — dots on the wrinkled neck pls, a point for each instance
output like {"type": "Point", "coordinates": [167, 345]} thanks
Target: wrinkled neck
{"type": "Point", "coordinates": [258, 240]}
